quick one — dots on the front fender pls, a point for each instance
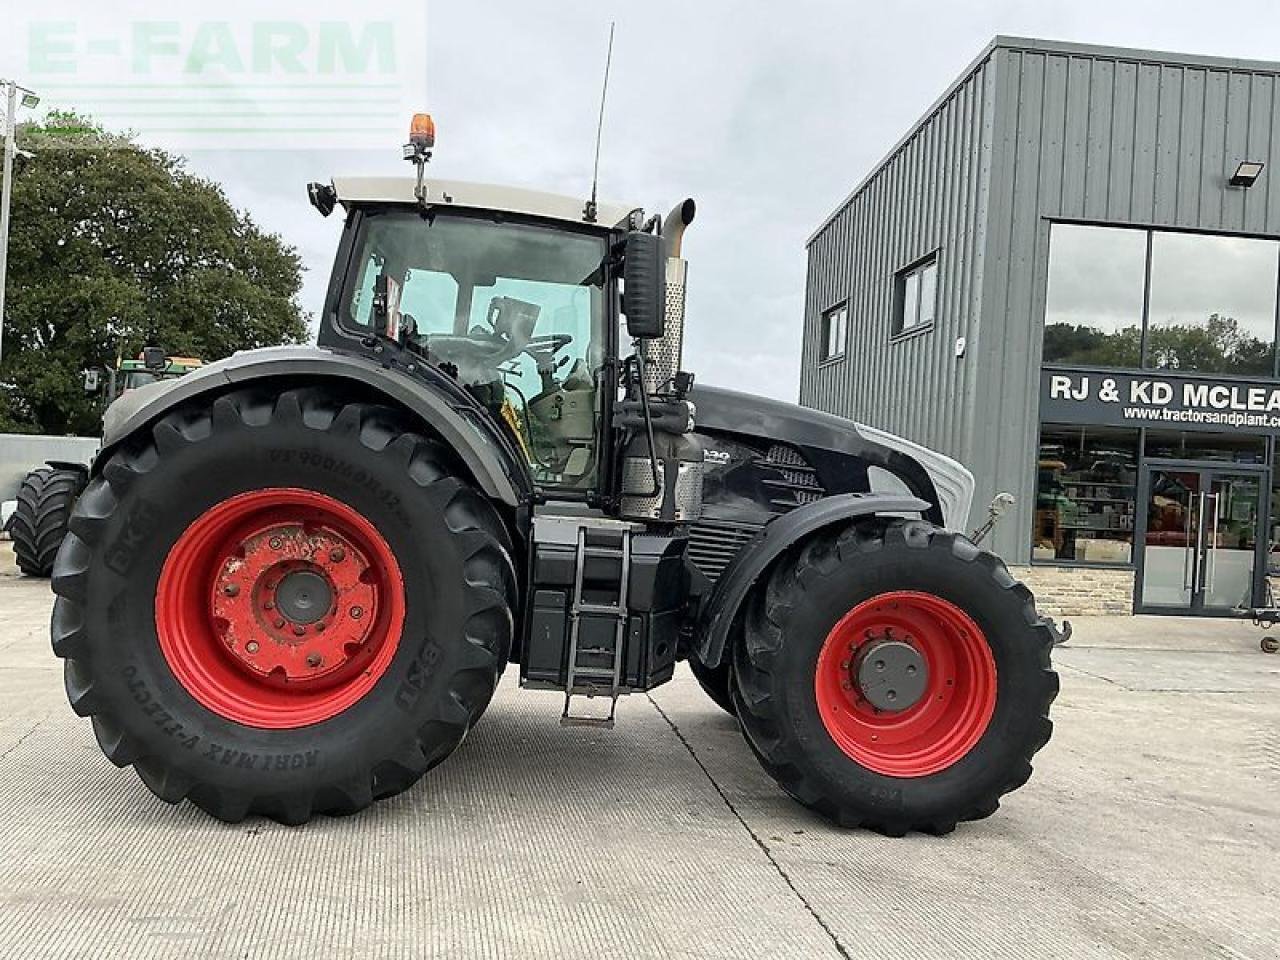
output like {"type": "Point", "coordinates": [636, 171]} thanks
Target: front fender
{"type": "Point", "coordinates": [754, 560]}
{"type": "Point", "coordinates": [500, 476]}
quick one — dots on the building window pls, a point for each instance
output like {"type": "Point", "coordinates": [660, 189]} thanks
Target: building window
{"type": "Point", "coordinates": [1085, 490]}
{"type": "Point", "coordinates": [835, 330]}
{"type": "Point", "coordinates": [916, 296]}
{"type": "Point", "coordinates": [1093, 309]}
{"type": "Point", "coordinates": [1213, 304]}
{"type": "Point", "coordinates": [1206, 303]}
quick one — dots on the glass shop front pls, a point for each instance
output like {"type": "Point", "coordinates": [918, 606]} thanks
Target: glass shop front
{"type": "Point", "coordinates": [1159, 412]}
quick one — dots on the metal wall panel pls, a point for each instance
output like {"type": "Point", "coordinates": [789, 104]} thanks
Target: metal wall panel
{"type": "Point", "coordinates": [1101, 136]}
{"type": "Point", "coordinates": [928, 196]}
{"type": "Point", "coordinates": [1032, 131]}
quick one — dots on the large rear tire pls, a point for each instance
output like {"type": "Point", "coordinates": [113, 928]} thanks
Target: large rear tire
{"type": "Point", "coordinates": [45, 500]}
{"type": "Point", "coordinates": [965, 708]}
{"type": "Point", "coordinates": [282, 604]}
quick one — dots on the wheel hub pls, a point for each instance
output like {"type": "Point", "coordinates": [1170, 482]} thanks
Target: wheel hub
{"type": "Point", "coordinates": [295, 603]}
{"type": "Point", "coordinates": [891, 674]}
{"type": "Point", "coordinates": [303, 596]}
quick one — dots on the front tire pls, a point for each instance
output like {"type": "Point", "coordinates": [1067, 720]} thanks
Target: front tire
{"type": "Point", "coordinates": [45, 500]}
{"type": "Point", "coordinates": [894, 676]}
{"type": "Point", "coordinates": [715, 683]}
{"type": "Point", "coordinates": [282, 604]}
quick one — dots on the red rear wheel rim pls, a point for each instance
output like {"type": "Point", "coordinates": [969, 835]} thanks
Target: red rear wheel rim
{"type": "Point", "coordinates": [279, 608]}
{"type": "Point", "coordinates": [949, 717]}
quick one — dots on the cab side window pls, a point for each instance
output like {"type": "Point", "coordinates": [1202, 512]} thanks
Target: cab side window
{"type": "Point", "coordinates": [514, 311]}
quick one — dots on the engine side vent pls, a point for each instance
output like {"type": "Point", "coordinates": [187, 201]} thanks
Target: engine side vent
{"type": "Point", "coordinates": [714, 543]}
{"type": "Point", "coordinates": [796, 482]}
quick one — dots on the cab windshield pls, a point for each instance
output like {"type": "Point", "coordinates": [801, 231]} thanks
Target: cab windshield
{"type": "Point", "coordinates": [515, 311]}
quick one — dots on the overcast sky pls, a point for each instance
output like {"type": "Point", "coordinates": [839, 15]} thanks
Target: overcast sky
{"type": "Point", "coordinates": [767, 113]}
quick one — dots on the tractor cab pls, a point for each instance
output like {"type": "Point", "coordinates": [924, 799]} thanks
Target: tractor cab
{"type": "Point", "coordinates": [515, 308]}
{"type": "Point", "coordinates": [150, 366]}
{"type": "Point", "coordinates": [514, 295]}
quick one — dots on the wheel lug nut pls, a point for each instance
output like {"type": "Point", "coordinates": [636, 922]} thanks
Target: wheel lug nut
{"type": "Point", "coordinates": [299, 631]}
{"type": "Point", "coordinates": [357, 613]}
{"type": "Point", "coordinates": [276, 543]}
{"type": "Point", "coordinates": [847, 685]}
{"type": "Point", "coordinates": [314, 660]}
{"type": "Point", "coordinates": [268, 605]}
{"type": "Point", "coordinates": [844, 664]}
{"type": "Point", "coordinates": [337, 555]}
{"type": "Point", "coordinates": [231, 590]}
{"type": "Point", "coordinates": [251, 646]}
{"type": "Point", "coordinates": [319, 626]}
{"type": "Point", "coordinates": [279, 624]}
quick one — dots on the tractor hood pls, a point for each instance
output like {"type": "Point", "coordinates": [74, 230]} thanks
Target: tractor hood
{"type": "Point", "coordinates": [728, 411]}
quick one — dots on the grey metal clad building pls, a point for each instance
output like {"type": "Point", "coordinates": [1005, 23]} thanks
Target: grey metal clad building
{"type": "Point", "coordinates": [1065, 275]}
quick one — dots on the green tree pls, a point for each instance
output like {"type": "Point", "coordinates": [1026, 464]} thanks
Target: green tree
{"type": "Point", "coordinates": [114, 246]}
{"type": "Point", "coordinates": [1068, 343]}
{"type": "Point", "coordinates": [1217, 346]}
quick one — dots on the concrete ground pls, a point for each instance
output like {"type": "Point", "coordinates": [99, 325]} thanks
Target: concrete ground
{"type": "Point", "coordinates": [1151, 829]}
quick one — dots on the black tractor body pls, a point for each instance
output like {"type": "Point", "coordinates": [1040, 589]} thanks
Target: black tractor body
{"type": "Point", "coordinates": [309, 565]}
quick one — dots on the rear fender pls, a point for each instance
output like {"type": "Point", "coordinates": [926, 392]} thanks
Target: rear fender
{"type": "Point", "coordinates": [462, 425]}
{"type": "Point", "coordinates": [755, 559]}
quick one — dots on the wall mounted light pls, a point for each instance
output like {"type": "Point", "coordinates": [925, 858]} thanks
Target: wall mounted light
{"type": "Point", "coordinates": [1246, 174]}
{"type": "Point", "coordinates": [29, 99]}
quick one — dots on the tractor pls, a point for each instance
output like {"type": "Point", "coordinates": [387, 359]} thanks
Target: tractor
{"type": "Point", "coordinates": [296, 575]}
{"type": "Point", "coordinates": [47, 494]}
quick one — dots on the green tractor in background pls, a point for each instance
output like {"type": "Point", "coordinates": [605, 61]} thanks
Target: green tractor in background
{"type": "Point", "coordinates": [48, 493]}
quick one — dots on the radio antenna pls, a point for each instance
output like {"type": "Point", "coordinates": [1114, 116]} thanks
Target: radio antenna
{"type": "Point", "coordinates": [590, 211]}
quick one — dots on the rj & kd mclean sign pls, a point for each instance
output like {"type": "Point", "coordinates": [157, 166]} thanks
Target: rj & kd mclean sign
{"type": "Point", "coordinates": [1177, 403]}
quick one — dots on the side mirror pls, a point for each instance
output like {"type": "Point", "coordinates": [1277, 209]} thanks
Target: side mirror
{"type": "Point", "coordinates": [154, 359]}
{"type": "Point", "coordinates": [644, 278]}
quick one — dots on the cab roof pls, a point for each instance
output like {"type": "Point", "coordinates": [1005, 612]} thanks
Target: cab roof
{"type": "Point", "coordinates": [478, 196]}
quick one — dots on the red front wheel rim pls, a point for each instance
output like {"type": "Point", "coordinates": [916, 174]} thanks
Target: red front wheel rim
{"type": "Point", "coordinates": [279, 608]}
{"type": "Point", "coordinates": [945, 686]}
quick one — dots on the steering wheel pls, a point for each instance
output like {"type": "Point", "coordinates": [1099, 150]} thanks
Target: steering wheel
{"type": "Point", "coordinates": [543, 348]}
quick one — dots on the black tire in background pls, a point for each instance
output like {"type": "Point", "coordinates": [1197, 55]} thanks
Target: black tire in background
{"type": "Point", "coordinates": [790, 617]}
{"type": "Point", "coordinates": [459, 589]}
{"type": "Point", "coordinates": [714, 682]}
{"type": "Point", "coordinates": [45, 500]}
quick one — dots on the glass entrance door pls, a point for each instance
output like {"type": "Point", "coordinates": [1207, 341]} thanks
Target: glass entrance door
{"type": "Point", "coordinates": [1200, 539]}
{"type": "Point", "coordinates": [1231, 511]}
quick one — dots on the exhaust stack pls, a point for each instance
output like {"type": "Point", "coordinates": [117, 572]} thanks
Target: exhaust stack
{"type": "Point", "coordinates": [671, 493]}
{"type": "Point", "coordinates": [662, 357]}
